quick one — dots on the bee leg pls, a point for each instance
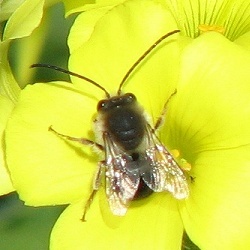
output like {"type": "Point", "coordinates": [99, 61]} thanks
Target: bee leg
{"type": "Point", "coordinates": [87, 205]}
{"type": "Point", "coordinates": [96, 185]}
{"type": "Point", "coordinates": [83, 141]}
{"type": "Point", "coordinates": [160, 120]}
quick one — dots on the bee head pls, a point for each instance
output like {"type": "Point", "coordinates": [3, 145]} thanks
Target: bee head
{"type": "Point", "coordinates": [115, 102]}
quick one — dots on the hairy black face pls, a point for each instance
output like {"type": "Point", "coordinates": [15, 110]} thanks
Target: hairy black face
{"type": "Point", "coordinates": [123, 120]}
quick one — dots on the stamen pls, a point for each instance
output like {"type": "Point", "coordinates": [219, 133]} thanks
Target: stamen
{"type": "Point", "coordinates": [186, 166]}
{"type": "Point", "coordinates": [175, 153]}
{"type": "Point", "coordinates": [205, 28]}
{"type": "Point", "coordinates": [183, 163]}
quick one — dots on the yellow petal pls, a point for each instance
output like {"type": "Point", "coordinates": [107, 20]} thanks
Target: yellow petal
{"type": "Point", "coordinates": [152, 223]}
{"type": "Point", "coordinates": [6, 106]}
{"type": "Point", "coordinates": [216, 215]}
{"type": "Point", "coordinates": [209, 122]}
{"type": "Point", "coordinates": [83, 27]}
{"type": "Point", "coordinates": [8, 85]}
{"type": "Point", "coordinates": [46, 169]}
{"type": "Point", "coordinates": [244, 40]}
{"type": "Point", "coordinates": [7, 8]}
{"type": "Point", "coordinates": [87, 5]}
{"type": "Point", "coordinates": [24, 20]}
{"type": "Point", "coordinates": [211, 108]}
{"type": "Point", "coordinates": [232, 15]}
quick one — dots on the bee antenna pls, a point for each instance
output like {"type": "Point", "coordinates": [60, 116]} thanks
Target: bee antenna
{"type": "Point", "coordinates": [41, 65]}
{"type": "Point", "coordinates": [142, 57]}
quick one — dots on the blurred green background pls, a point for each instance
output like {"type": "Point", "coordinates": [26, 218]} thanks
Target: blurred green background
{"type": "Point", "coordinates": [23, 227]}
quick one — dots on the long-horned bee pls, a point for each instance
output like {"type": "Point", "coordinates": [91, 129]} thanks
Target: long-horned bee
{"type": "Point", "coordinates": [136, 162]}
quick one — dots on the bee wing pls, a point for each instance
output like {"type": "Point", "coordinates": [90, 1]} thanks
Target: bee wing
{"type": "Point", "coordinates": [121, 185]}
{"type": "Point", "coordinates": [164, 174]}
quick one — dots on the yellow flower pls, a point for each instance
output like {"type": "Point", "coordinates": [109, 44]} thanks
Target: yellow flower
{"type": "Point", "coordinates": [23, 18]}
{"type": "Point", "coordinates": [6, 107]}
{"type": "Point", "coordinates": [88, 5]}
{"type": "Point", "coordinates": [207, 122]}
{"type": "Point", "coordinates": [228, 15]}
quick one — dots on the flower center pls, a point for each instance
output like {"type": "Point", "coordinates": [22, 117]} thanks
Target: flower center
{"type": "Point", "coordinates": [205, 28]}
{"type": "Point", "coordinates": [184, 164]}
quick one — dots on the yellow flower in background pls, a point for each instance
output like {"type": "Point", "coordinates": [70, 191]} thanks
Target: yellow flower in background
{"type": "Point", "coordinates": [232, 17]}
{"type": "Point", "coordinates": [23, 18]}
{"type": "Point", "coordinates": [6, 107]}
{"type": "Point", "coordinates": [88, 5]}
{"type": "Point", "coordinates": [207, 122]}
{"type": "Point", "coordinates": [21, 23]}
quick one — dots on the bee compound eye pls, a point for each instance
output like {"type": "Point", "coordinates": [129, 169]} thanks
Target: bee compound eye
{"type": "Point", "coordinates": [101, 104]}
{"type": "Point", "coordinates": [130, 97]}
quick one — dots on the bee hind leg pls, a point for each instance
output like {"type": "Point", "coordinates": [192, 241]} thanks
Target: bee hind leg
{"type": "Point", "coordinates": [96, 185]}
{"type": "Point", "coordinates": [87, 205]}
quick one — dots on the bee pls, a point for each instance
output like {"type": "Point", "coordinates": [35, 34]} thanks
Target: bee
{"type": "Point", "coordinates": [136, 162]}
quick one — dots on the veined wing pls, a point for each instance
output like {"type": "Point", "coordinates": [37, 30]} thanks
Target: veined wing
{"type": "Point", "coordinates": [164, 174]}
{"type": "Point", "coordinates": [121, 185]}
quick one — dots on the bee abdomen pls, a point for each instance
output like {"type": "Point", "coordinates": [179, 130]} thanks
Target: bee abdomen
{"type": "Point", "coordinates": [143, 190]}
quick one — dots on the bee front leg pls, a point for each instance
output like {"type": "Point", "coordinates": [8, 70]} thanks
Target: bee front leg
{"type": "Point", "coordinates": [96, 184]}
{"type": "Point", "coordinates": [83, 141]}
